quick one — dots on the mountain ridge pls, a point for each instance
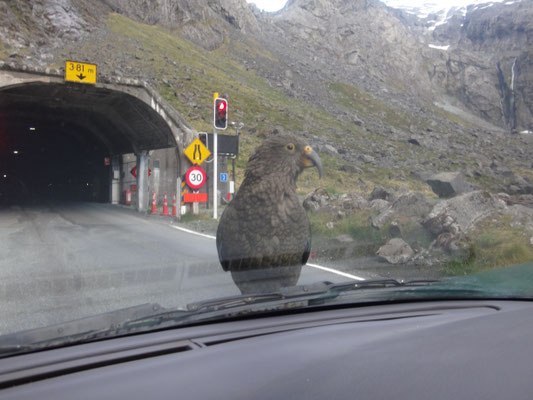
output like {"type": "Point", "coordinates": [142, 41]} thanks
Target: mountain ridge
{"type": "Point", "coordinates": [350, 75]}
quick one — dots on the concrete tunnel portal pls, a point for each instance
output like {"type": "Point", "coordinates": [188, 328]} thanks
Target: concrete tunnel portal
{"type": "Point", "coordinates": [55, 137]}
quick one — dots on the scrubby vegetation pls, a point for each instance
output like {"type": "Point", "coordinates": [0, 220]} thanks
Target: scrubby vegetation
{"type": "Point", "coordinates": [493, 244]}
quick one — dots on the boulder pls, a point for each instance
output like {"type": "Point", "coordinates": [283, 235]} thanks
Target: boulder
{"type": "Point", "coordinates": [353, 201]}
{"type": "Point", "coordinates": [311, 205]}
{"type": "Point", "coordinates": [380, 220]}
{"type": "Point", "coordinates": [379, 192]}
{"type": "Point", "coordinates": [448, 184]}
{"type": "Point", "coordinates": [461, 213]}
{"type": "Point", "coordinates": [452, 243]}
{"type": "Point", "coordinates": [316, 200]}
{"type": "Point", "coordinates": [396, 251]}
{"type": "Point", "coordinates": [378, 205]}
{"type": "Point", "coordinates": [368, 159]}
{"type": "Point", "coordinates": [357, 121]}
{"type": "Point", "coordinates": [410, 205]}
{"type": "Point", "coordinates": [329, 148]}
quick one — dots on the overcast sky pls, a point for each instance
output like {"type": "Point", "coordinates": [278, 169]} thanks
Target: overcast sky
{"type": "Point", "coordinates": [275, 5]}
{"type": "Point", "coordinates": [269, 5]}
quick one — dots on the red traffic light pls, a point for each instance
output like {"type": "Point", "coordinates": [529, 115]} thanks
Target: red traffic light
{"type": "Point", "coordinates": [221, 113]}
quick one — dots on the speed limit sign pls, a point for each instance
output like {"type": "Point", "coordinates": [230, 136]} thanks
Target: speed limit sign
{"type": "Point", "coordinates": [195, 177]}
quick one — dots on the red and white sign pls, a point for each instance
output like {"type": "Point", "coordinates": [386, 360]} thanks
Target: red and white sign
{"type": "Point", "coordinates": [107, 161]}
{"type": "Point", "coordinates": [133, 171]}
{"type": "Point", "coordinates": [195, 197]}
{"type": "Point", "coordinates": [195, 177]}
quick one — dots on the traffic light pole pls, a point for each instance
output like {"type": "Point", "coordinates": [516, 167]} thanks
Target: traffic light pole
{"type": "Point", "coordinates": [220, 121]}
{"type": "Point", "coordinates": [215, 172]}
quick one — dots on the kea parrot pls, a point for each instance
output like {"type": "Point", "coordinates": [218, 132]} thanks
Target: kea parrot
{"type": "Point", "coordinates": [264, 234]}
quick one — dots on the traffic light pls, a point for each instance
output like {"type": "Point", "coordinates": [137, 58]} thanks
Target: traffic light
{"type": "Point", "coordinates": [221, 113]}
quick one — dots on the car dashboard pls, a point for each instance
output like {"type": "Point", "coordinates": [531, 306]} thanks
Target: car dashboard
{"type": "Point", "coordinates": [417, 350]}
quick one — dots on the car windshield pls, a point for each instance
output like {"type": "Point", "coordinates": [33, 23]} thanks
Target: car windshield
{"type": "Point", "coordinates": [164, 162]}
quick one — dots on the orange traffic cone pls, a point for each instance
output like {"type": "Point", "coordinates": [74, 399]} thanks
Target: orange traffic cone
{"type": "Point", "coordinates": [174, 211]}
{"type": "Point", "coordinates": [154, 205]}
{"type": "Point", "coordinates": [165, 205]}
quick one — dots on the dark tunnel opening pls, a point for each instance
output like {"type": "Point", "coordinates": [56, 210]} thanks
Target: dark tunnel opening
{"type": "Point", "coordinates": [46, 162]}
{"type": "Point", "coordinates": [54, 138]}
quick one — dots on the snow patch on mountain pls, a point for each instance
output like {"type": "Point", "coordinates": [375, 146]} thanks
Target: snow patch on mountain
{"type": "Point", "coordinates": [438, 12]}
{"type": "Point", "coordinates": [436, 46]}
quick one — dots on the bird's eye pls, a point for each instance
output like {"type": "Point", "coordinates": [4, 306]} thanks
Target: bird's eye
{"type": "Point", "coordinates": [290, 147]}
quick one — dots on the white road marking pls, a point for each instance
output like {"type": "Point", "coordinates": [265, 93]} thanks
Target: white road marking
{"type": "Point", "coordinates": [334, 271]}
{"type": "Point", "coordinates": [179, 228]}
{"type": "Point", "coordinates": [327, 269]}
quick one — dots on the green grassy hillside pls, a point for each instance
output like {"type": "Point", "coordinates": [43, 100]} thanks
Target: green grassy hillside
{"type": "Point", "coordinates": [187, 76]}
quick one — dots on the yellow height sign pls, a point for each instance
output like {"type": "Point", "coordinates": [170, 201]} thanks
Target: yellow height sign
{"type": "Point", "coordinates": [80, 72]}
{"type": "Point", "coordinates": [197, 152]}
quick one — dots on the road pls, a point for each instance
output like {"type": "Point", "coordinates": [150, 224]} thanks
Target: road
{"type": "Point", "coordinates": [69, 261]}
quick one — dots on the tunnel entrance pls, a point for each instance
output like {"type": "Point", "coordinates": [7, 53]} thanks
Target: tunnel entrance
{"type": "Point", "coordinates": [50, 162]}
{"type": "Point", "coordinates": [57, 139]}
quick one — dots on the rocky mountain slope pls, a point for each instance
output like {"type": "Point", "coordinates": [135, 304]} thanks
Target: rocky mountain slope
{"type": "Point", "coordinates": [485, 60]}
{"type": "Point", "coordinates": [356, 77]}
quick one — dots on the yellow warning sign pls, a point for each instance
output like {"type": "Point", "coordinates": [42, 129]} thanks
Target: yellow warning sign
{"type": "Point", "coordinates": [197, 152]}
{"type": "Point", "coordinates": [80, 72]}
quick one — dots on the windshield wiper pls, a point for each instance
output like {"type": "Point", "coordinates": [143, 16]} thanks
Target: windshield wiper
{"type": "Point", "coordinates": [288, 293]}
{"type": "Point", "coordinates": [232, 306]}
{"type": "Point", "coordinates": [379, 284]}
{"type": "Point", "coordinates": [287, 298]}
{"type": "Point", "coordinates": [303, 292]}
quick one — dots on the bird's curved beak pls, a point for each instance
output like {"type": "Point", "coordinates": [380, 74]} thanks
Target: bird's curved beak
{"type": "Point", "coordinates": [311, 159]}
